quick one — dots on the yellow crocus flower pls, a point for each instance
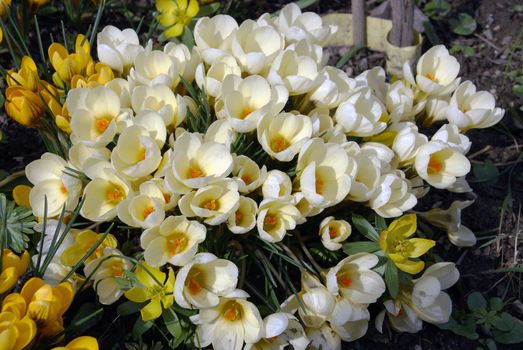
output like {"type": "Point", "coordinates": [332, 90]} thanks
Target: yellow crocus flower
{"type": "Point", "coordinates": [27, 75]}
{"type": "Point", "coordinates": [24, 106]}
{"type": "Point", "coordinates": [15, 333]}
{"type": "Point", "coordinates": [80, 343]}
{"type": "Point", "coordinates": [96, 75]}
{"type": "Point", "coordinates": [46, 304]}
{"type": "Point", "coordinates": [13, 266]}
{"type": "Point", "coordinates": [395, 243]}
{"type": "Point", "coordinates": [67, 65]}
{"type": "Point", "coordinates": [61, 115]}
{"type": "Point", "coordinates": [4, 7]}
{"type": "Point", "coordinates": [154, 287]}
{"type": "Point", "coordinates": [175, 15]}
{"type": "Point", "coordinates": [21, 195]}
{"type": "Point", "coordinates": [83, 241]}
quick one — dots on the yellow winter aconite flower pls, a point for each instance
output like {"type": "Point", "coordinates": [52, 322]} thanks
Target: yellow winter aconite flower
{"type": "Point", "coordinates": [154, 287]}
{"type": "Point", "coordinates": [13, 266]}
{"type": "Point", "coordinates": [394, 242]}
{"type": "Point", "coordinates": [46, 304]}
{"type": "Point", "coordinates": [80, 343]}
{"type": "Point", "coordinates": [175, 15]}
{"type": "Point", "coordinates": [83, 241]}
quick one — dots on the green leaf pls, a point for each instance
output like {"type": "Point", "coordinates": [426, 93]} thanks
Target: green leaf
{"type": "Point", "coordinates": [365, 228]}
{"type": "Point", "coordinates": [209, 9]}
{"type": "Point", "coordinates": [172, 323]}
{"type": "Point", "coordinates": [468, 51]}
{"type": "Point", "coordinates": [140, 327]}
{"type": "Point", "coordinates": [47, 10]}
{"type": "Point", "coordinates": [476, 301]}
{"type": "Point", "coordinates": [496, 304]}
{"type": "Point", "coordinates": [128, 308]}
{"type": "Point", "coordinates": [348, 55]}
{"type": "Point", "coordinates": [2, 99]}
{"type": "Point", "coordinates": [87, 316]}
{"type": "Point", "coordinates": [380, 223]}
{"type": "Point", "coordinates": [518, 90]}
{"type": "Point", "coordinates": [391, 279]}
{"type": "Point", "coordinates": [486, 172]}
{"type": "Point", "coordinates": [431, 33]}
{"type": "Point", "coordinates": [514, 336]}
{"type": "Point", "coordinates": [491, 344]}
{"type": "Point", "coordinates": [437, 8]}
{"type": "Point", "coordinates": [464, 24]}
{"type": "Point", "coordinates": [15, 224]}
{"type": "Point", "coordinates": [358, 247]}
{"type": "Point", "coordinates": [188, 38]}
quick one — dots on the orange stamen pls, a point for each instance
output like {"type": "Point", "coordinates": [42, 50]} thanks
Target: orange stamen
{"type": "Point", "coordinates": [333, 233]}
{"type": "Point", "coordinates": [246, 179]}
{"type": "Point", "coordinates": [176, 245]}
{"type": "Point", "coordinates": [279, 144]}
{"type": "Point", "coordinates": [101, 124]}
{"type": "Point", "coordinates": [147, 211]}
{"type": "Point", "coordinates": [319, 186]}
{"type": "Point", "coordinates": [195, 172]}
{"type": "Point", "coordinates": [238, 216]}
{"type": "Point", "coordinates": [431, 77]}
{"type": "Point", "coordinates": [114, 195]}
{"type": "Point", "coordinates": [232, 313]}
{"type": "Point", "coordinates": [246, 111]}
{"type": "Point", "coordinates": [193, 285]}
{"type": "Point", "coordinates": [435, 166]}
{"type": "Point", "coordinates": [141, 156]}
{"type": "Point", "coordinates": [270, 220]}
{"type": "Point", "coordinates": [63, 189]}
{"type": "Point", "coordinates": [166, 197]}
{"type": "Point", "coordinates": [344, 280]}
{"type": "Point", "coordinates": [211, 205]}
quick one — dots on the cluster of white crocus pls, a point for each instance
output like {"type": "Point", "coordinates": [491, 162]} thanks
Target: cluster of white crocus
{"type": "Point", "coordinates": [326, 140]}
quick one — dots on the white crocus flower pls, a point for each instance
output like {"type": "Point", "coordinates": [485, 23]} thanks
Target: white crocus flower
{"type": "Point", "coordinates": [248, 174]}
{"type": "Point", "coordinates": [155, 188]}
{"type": "Point", "coordinates": [469, 109]}
{"type": "Point", "coordinates": [322, 169]}
{"type": "Point", "coordinates": [229, 325]}
{"type": "Point", "coordinates": [436, 72]}
{"type": "Point", "coordinates": [175, 241]}
{"type": "Point", "coordinates": [361, 114]}
{"type": "Point", "coordinates": [350, 321]}
{"type": "Point", "coordinates": [400, 103]}
{"type": "Point", "coordinates": [154, 67]}
{"type": "Point", "coordinates": [277, 185]}
{"type": "Point", "coordinates": [450, 220]}
{"type": "Point", "coordinates": [305, 208]}
{"type": "Point", "coordinates": [335, 88]}
{"type": "Point", "coordinates": [393, 195]}
{"type": "Point", "coordinates": [200, 282]}
{"type": "Point", "coordinates": [118, 48]}
{"type": "Point", "coordinates": [103, 195]}
{"type": "Point", "coordinates": [321, 121]}
{"type": "Point", "coordinates": [334, 232]}
{"type": "Point", "coordinates": [353, 279]}
{"type": "Point", "coordinates": [214, 202]}
{"type": "Point", "coordinates": [220, 131]}
{"type": "Point", "coordinates": [365, 173]}
{"type": "Point", "coordinates": [429, 302]}
{"type": "Point", "coordinates": [152, 121]}
{"type": "Point", "coordinates": [450, 134]}
{"type": "Point", "coordinates": [324, 338]}
{"type": "Point", "coordinates": [299, 74]}
{"type": "Point", "coordinates": [438, 164]}
{"type": "Point", "coordinates": [141, 211]}
{"type": "Point", "coordinates": [103, 271]}
{"type": "Point", "coordinates": [196, 163]}
{"type": "Point", "coordinates": [53, 188]}
{"type": "Point", "coordinates": [435, 110]}
{"type": "Point", "coordinates": [189, 60]}
{"type": "Point", "coordinates": [89, 160]}
{"type": "Point", "coordinates": [212, 80]}
{"type": "Point", "coordinates": [244, 218]}
{"type": "Point", "coordinates": [375, 79]}
{"type": "Point", "coordinates": [401, 317]}
{"type": "Point", "coordinates": [283, 135]}
{"type": "Point", "coordinates": [94, 115]}
{"type": "Point", "coordinates": [317, 302]}
{"type": "Point", "coordinates": [246, 101]}
{"type": "Point", "coordinates": [136, 154]}
{"type": "Point", "coordinates": [281, 330]}
{"type": "Point", "coordinates": [382, 152]}
{"type": "Point", "coordinates": [122, 89]}
{"type": "Point", "coordinates": [213, 36]}
{"type": "Point", "coordinates": [255, 46]}
{"type": "Point", "coordinates": [275, 218]}
{"type": "Point", "coordinates": [298, 26]}
{"type": "Point", "coordinates": [161, 99]}
{"type": "Point", "coordinates": [407, 141]}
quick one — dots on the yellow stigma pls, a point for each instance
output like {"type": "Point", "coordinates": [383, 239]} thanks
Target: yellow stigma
{"type": "Point", "coordinates": [195, 172]}
{"type": "Point", "coordinates": [232, 311]}
{"type": "Point", "coordinates": [114, 194]}
{"type": "Point", "coordinates": [246, 111]}
{"type": "Point", "coordinates": [435, 166]}
{"type": "Point", "coordinates": [344, 280]}
{"type": "Point", "coordinates": [102, 124]}
{"type": "Point", "coordinates": [279, 144]}
{"type": "Point", "coordinates": [211, 205]}
{"type": "Point", "coordinates": [147, 211]}
{"type": "Point", "coordinates": [270, 220]}
{"type": "Point", "coordinates": [176, 243]}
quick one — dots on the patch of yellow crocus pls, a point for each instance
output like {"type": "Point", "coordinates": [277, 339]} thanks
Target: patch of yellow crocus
{"type": "Point", "coordinates": [395, 242]}
{"type": "Point", "coordinates": [80, 343]}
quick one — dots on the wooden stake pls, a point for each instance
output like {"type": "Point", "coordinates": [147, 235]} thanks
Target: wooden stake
{"type": "Point", "coordinates": [402, 17]}
{"type": "Point", "coordinates": [359, 23]}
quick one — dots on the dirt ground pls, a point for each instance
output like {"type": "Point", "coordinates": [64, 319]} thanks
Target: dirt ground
{"type": "Point", "coordinates": [496, 214]}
